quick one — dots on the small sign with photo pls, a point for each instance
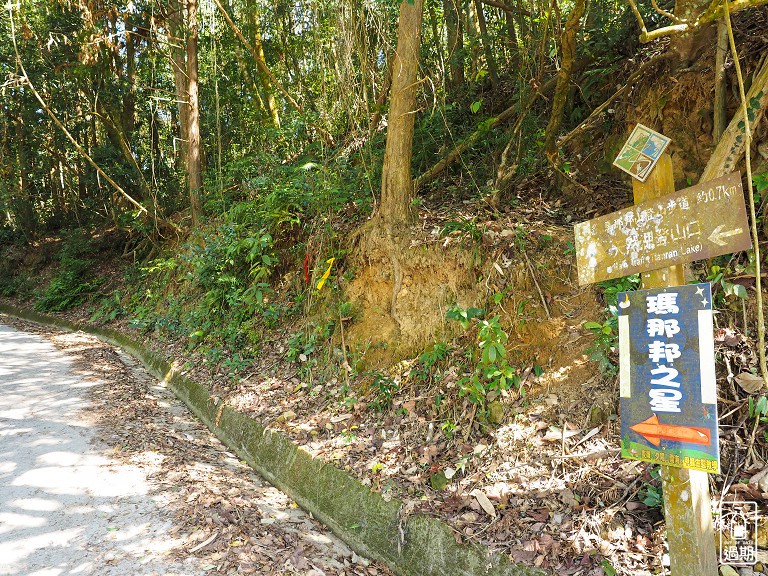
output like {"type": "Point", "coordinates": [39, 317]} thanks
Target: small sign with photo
{"type": "Point", "coordinates": [641, 152]}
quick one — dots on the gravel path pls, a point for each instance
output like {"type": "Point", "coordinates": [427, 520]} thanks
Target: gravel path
{"type": "Point", "coordinates": [103, 472]}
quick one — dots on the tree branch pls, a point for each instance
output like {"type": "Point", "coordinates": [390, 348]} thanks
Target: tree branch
{"type": "Point", "coordinates": [585, 124]}
{"type": "Point", "coordinates": [751, 193]}
{"type": "Point", "coordinates": [472, 139]}
{"type": "Point", "coordinates": [711, 14]}
{"type": "Point", "coordinates": [506, 7]}
{"type": "Point", "coordinates": [665, 13]}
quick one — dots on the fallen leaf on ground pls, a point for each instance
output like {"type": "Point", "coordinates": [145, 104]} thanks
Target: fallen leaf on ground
{"type": "Point", "coordinates": [749, 382]}
{"type": "Point", "coordinates": [485, 504]}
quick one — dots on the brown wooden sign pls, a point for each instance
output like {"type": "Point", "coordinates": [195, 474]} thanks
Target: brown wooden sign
{"type": "Point", "coordinates": [699, 222]}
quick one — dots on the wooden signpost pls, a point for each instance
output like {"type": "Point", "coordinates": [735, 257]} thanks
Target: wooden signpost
{"type": "Point", "coordinates": [664, 230]}
{"type": "Point", "coordinates": [687, 503]}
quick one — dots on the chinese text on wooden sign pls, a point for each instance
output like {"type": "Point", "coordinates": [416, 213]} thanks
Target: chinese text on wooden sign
{"type": "Point", "coordinates": [699, 222]}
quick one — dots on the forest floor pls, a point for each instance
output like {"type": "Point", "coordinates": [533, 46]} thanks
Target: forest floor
{"type": "Point", "coordinates": [546, 485]}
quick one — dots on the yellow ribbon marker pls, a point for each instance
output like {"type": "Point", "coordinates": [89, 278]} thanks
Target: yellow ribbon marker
{"type": "Point", "coordinates": [327, 273]}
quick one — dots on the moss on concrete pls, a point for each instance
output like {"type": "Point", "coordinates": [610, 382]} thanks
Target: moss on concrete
{"type": "Point", "coordinates": [369, 524]}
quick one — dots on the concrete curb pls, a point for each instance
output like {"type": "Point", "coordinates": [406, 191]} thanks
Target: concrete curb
{"type": "Point", "coordinates": [371, 526]}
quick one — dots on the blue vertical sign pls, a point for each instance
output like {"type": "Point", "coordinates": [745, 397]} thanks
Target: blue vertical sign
{"type": "Point", "coordinates": [667, 377]}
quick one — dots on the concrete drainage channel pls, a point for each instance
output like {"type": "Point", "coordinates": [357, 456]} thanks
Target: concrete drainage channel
{"type": "Point", "coordinates": [371, 526]}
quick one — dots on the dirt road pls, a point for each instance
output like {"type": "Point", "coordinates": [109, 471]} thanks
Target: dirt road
{"type": "Point", "coordinates": [103, 472]}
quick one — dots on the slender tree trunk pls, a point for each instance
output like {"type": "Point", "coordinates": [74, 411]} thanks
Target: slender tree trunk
{"type": "Point", "coordinates": [179, 65]}
{"type": "Point", "coordinates": [258, 53]}
{"type": "Point", "coordinates": [194, 169]}
{"type": "Point", "coordinates": [437, 39]}
{"type": "Point", "coordinates": [249, 78]}
{"type": "Point", "coordinates": [129, 100]}
{"type": "Point", "coordinates": [381, 99]}
{"type": "Point", "coordinates": [567, 59]}
{"type": "Point", "coordinates": [719, 115]}
{"type": "Point", "coordinates": [396, 180]}
{"type": "Point", "coordinates": [455, 39]}
{"type": "Point", "coordinates": [23, 208]}
{"type": "Point", "coordinates": [473, 37]}
{"type": "Point", "coordinates": [509, 20]}
{"type": "Point", "coordinates": [490, 60]}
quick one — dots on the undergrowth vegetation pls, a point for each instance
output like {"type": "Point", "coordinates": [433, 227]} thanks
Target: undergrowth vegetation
{"type": "Point", "coordinates": [72, 284]}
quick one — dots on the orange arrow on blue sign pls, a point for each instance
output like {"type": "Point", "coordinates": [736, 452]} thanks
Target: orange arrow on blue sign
{"type": "Point", "coordinates": [653, 431]}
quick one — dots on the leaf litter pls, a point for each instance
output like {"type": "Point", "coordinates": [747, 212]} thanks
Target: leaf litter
{"type": "Point", "coordinates": [228, 518]}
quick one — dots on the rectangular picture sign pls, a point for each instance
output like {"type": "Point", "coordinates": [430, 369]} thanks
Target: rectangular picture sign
{"type": "Point", "coordinates": [667, 377]}
{"type": "Point", "coordinates": [641, 152]}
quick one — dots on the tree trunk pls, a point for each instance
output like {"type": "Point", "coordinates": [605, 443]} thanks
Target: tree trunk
{"type": "Point", "coordinates": [194, 173]}
{"type": "Point", "coordinates": [381, 100]}
{"type": "Point", "coordinates": [248, 77]}
{"type": "Point", "coordinates": [719, 111]}
{"type": "Point", "coordinates": [258, 53]}
{"type": "Point", "coordinates": [23, 202]}
{"type": "Point", "coordinates": [490, 60]}
{"type": "Point", "coordinates": [511, 40]}
{"type": "Point", "coordinates": [179, 66]}
{"type": "Point", "coordinates": [128, 119]}
{"type": "Point", "coordinates": [473, 38]}
{"type": "Point", "coordinates": [437, 39]}
{"type": "Point", "coordinates": [455, 38]}
{"type": "Point", "coordinates": [730, 147]}
{"type": "Point", "coordinates": [396, 180]}
{"type": "Point", "coordinates": [568, 57]}
{"type": "Point", "coordinates": [119, 139]}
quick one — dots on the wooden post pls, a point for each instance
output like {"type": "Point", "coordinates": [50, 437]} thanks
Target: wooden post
{"type": "Point", "coordinates": [687, 506]}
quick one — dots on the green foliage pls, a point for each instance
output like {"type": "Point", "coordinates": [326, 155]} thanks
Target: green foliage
{"type": "Point", "coordinates": [728, 290]}
{"type": "Point", "coordinates": [612, 288]}
{"type": "Point", "coordinates": [651, 493]}
{"type": "Point", "coordinates": [760, 182]}
{"type": "Point", "coordinates": [71, 285]}
{"type": "Point", "coordinates": [606, 332]}
{"type": "Point", "coordinates": [492, 374]}
{"type": "Point", "coordinates": [425, 370]}
{"type": "Point", "coordinates": [235, 364]}
{"type": "Point", "coordinates": [11, 285]}
{"type": "Point", "coordinates": [110, 309]}
{"type": "Point", "coordinates": [464, 317]}
{"type": "Point", "coordinates": [467, 228]}
{"type": "Point", "coordinates": [382, 389]}
{"type": "Point", "coordinates": [604, 344]}
{"type": "Point", "coordinates": [608, 569]}
{"type": "Point", "coordinates": [758, 409]}
{"type": "Point", "coordinates": [301, 345]}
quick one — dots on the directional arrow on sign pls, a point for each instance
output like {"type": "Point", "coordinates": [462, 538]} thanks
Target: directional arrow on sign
{"type": "Point", "coordinates": [654, 431]}
{"type": "Point", "coordinates": [719, 235]}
